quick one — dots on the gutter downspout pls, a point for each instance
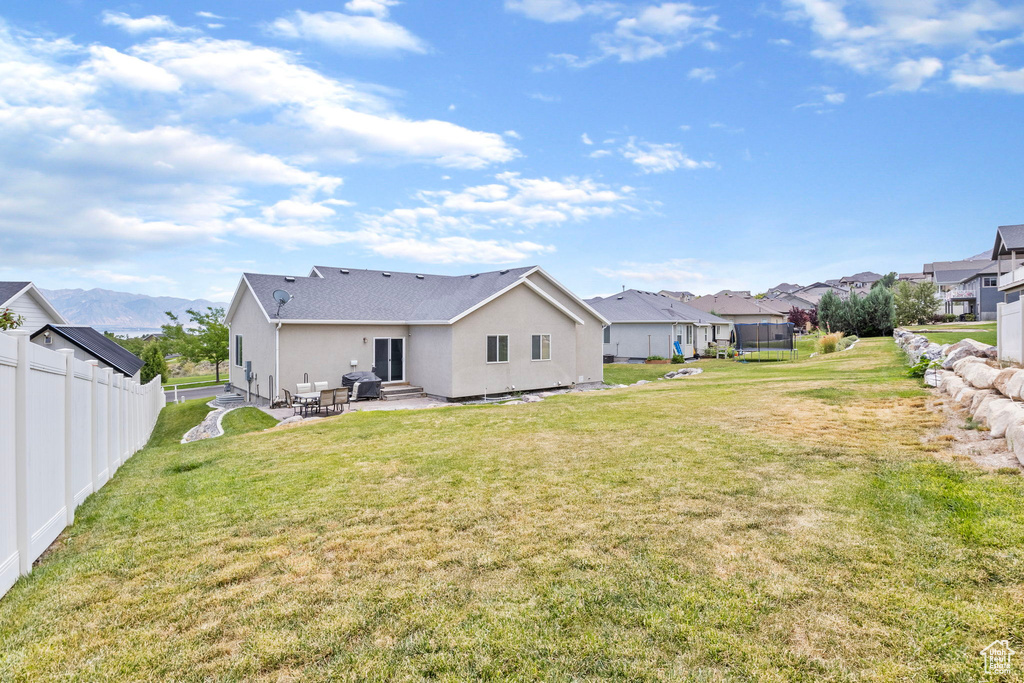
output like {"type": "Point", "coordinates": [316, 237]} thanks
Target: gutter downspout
{"type": "Point", "coordinates": [277, 359]}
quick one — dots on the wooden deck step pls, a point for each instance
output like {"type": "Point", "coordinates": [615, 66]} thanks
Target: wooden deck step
{"type": "Point", "coordinates": [399, 392]}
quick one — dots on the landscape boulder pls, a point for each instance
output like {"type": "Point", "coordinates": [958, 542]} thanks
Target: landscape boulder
{"type": "Point", "coordinates": [977, 347]}
{"type": "Point", "coordinates": [1015, 440]}
{"type": "Point", "coordinates": [1002, 383]}
{"type": "Point", "coordinates": [965, 395]}
{"type": "Point", "coordinates": [964, 362]}
{"type": "Point", "coordinates": [1015, 386]}
{"type": "Point", "coordinates": [979, 375]}
{"type": "Point", "coordinates": [1003, 413]}
{"type": "Point", "coordinates": [992, 353]}
{"type": "Point", "coordinates": [989, 407]}
{"type": "Point", "coordinates": [980, 395]}
{"type": "Point", "coordinates": [954, 356]}
{"type": "Point", "coordinates": [951, 384]}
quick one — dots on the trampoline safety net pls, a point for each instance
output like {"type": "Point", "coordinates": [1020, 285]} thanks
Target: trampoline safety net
{"type": "Point", "coordinates": [774, 339]}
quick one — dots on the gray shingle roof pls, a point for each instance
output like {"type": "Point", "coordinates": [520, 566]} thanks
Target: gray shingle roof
{"type": "Point", "coordinates": [97, 344]}
{"type": "Point", "coordinates": [732, 305]}
{"type": "Point", "coordinates": [635, 306]}
{"type": "Point", "coordinates": [1008, 238]}
{"type": "Point", "coordinates": [9, 289]}
{"type": "Point", "coordinates": [946, 272]}
{"type": "Point", "coordinates": [370, 295]}
{"type": "Point", "coordinates": [866, 276]}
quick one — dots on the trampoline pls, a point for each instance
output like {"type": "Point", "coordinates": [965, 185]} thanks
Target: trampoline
{"type": "Point", "coordinates": [764, 341]}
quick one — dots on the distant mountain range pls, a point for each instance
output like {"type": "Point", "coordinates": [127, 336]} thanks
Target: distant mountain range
{"type": "Point", "coordinates": [121, 311]}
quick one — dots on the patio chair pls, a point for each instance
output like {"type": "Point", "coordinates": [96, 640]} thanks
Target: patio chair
{"type": "Point", "coordinates": [324, 401]}
{"type": "Point", "coordinates": [320, 386]}
{"type": "Point", "coordinates": [303, 388]}
{"type": "Point", "coordinates": [341, 398]}
{"type": "Point", "coordinates": [291, 403]}
{"type": "Point", "coordinates": [721, 349]}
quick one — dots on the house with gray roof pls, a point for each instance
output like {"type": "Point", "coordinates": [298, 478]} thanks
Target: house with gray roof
{"type": "Point", "coordinates": [643, 324]}
{"type": "Point", "coordinates": [25, 299]}
{"type": "Point", "coordinates": [860, 281]}
{"type": "Point", "coordinates": [967, 287]}
{"type": "Point", "coordinates": [90, 344]}
{"type": "Point", "coordinates": [1008, 254]}
{"type": "Point", "coordinates": [738, 308]}
{"type": "Point", "coordinates": [516, 329]}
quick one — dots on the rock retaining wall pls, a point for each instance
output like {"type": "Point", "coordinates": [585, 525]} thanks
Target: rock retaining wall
{"type": "Point", "coordinates": [971, 377]}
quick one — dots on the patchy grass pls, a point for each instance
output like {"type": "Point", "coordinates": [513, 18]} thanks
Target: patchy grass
{"type": "Point", "coordinates": [244, 420]}
{"type": "Point", "coordinates": [211, 379]}
{"type": "Point", "coordinates": [175, 420]}
{"type": "Point", "coordinates": [721, 528]}
{"type": "Point", "coordinates": [629, 373]}
{"type": "Point", "coordinates": [950, 334]}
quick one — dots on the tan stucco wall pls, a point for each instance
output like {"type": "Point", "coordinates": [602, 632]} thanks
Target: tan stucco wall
{"type": "Point", "coordinates": [325, 352]}
{"type": "Point", "coordinates": [520, 314]}
{"type": "Point", "coordinates": [429, 353]}
{"type": "Point", "coordinates": [257, 345]}
{"type": "Point", "coordinates": [589, 336]}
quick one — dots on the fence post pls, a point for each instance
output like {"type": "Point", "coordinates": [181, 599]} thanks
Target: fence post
{"type": "Point", "coordinates": [111, 425]}
{"type": "Point", "coordinates": [69, 441]}
{"type": "Point", "coordinates": [94, 432]}
{"type": "Point", "coordinates": [21, 452]}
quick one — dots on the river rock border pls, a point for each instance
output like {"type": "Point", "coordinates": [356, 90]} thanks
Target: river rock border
{"type": "Point", "coordinates": [969, 375]}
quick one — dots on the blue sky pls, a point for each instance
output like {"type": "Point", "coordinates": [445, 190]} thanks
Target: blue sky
{"type": "Point", "coordinates": [165, 147]}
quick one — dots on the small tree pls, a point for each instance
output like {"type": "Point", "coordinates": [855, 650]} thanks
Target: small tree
{"type": "Point", "coordinates": [812, 318]}
{"type": "Point", "coordinates": [828, 311]}
{"type": "Point", "coordinates": [9, 320]}
{"type": "Point", "coordinates": [887, 281]}
{"type": "Point", "coordinates": [156, 366]}
{"type": "Point", "coordinates": [798, 317]}
{"type": "Point", "coordinates": [208, 341]}
{"type": "Point", "coordinates": [915, 303]}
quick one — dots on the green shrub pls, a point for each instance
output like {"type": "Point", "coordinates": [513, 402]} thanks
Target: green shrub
{"type": "Point", "coordinates": [731, 353]}
{"type": "Point", "coordinates": [845, 342]}
{"type": "Point", "coordinates": [655, 358]}
{"type": "Point", "coordinates": [922, 366]}
{"type": "Point", "coordinates": [678, 358]}
{"type": "Point", "coordinates": [970, 318]}
{"type": "Point", "coordinates": [948, 318]}
{"type": "Point", "coordinates": [829, 343]}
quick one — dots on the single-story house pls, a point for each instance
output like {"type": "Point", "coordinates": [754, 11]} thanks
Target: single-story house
{"type": "Point", "coordinates": [25, 299]}
{"type": "Point", "coordinates": [90, 344]}
{"type": "Point", "coordinates": [644, 324]}
{"type": "Point", "coordinates": [463, 336]}
{"type": "Point", "coordinates": [738, 309]}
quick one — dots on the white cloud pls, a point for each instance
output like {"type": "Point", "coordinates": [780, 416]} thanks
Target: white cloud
{"type": "Point", "coordinates": [124, 278]}
{"type": "Point", "coordinates": [150, 24]}
{"type": "Point", "coordinates": [349, 32]}
{"type": "Point", "coordinates": [652, 31]}
{"type": "Point", "coordinates": [209, 15]}
{"type": "Point", "coordinates": [378, 8]}
{"type": "Point", "coordinates": [600, 153]}
{"type": "Point", "coordinates": [660, 157]}
{"type": "Point", "coordinates": [906, 42]}
{"type": "Point", "coordinates": [542, 97]}
{"type": "Point", "coordinates": [983, 73]}
{"type": "Point", "coordinates": [829, 98]}
{"type": "Point", "coordinates": [551, 11]}
{"type": "Point", "coordinates": [676, 274]}
{"type": "Point", "coordinates": [703, 74]}
{"type": "Point", "coordinates": [835, 97]}
{"type": "Point", "coordinates": [586, 139]}
{"type": "Point", "coordinates": [130, 72]}
{"type": "Point", "coordinates": [319, 114]}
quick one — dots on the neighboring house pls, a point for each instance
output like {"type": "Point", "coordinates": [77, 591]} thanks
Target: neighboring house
{"type": "Point", "coordinates": [24, 299]}
{"type": "Point", "coordinates": [454, 336]}
{"type": "Point", "coordinates": [782, 288]}
{"type": "Point", "coordinates": [784, 303]}
{"type": "Point", "coordinates": [814, 292]}
{"type": "Point", "coordinates": [738, 309]}
{"type": "Point", "coordinates": [1008, 254]}
{"type": "Point", "coordinates": [913, 277]}
{"type": "Point", "coordinates": [967, 287]}
{"type": "Point", "coordinates": [861, 282]}
{"type": "Point", "coordinates": [678, 296]}
{"type": "Point", "coordinates": [733, 292]}
{"type": "Point", "coordinates": [646, 324]}
{"type": "Point", "coordinates": [89, 344]}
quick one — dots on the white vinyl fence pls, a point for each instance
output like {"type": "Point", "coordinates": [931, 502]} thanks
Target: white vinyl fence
{"type": "Point", "coordinates": [1010, 332]}
{"type": "Point", "coordinates": [66, 425]}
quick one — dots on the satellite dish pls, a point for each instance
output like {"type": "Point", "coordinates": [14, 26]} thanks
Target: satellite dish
{"type": "Point", "coordinates": [281, 297]}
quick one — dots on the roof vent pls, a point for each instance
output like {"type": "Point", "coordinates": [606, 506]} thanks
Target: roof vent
{"type": "Point", "coordinates": [386, 274]}
{"type": "Point", "coordinates": [618, 297]}
{"type": "Point", "coordinates": [474, 274]}
{"type": "Point", "coordinates": [419, 277]}
{"type": "Point", "coordinates": [502, 272]}
{"type": "Point", "coordinates": [289, 278]}
{"type": "Point", "coordinates": [344, 271]}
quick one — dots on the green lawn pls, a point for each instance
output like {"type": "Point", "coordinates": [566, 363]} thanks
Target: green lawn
{"type": "Point", "coordinates": [207, 380]}
{"type": "Point", "coordinates": [949, 334]}
{"type": "Point", "coordinates": [244, 420]}
{"type": "Point", "coordinates": [758, 522]}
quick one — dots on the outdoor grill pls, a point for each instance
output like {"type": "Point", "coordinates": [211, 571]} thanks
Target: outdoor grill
{"type": "Point", "coordinates": [369, 385]}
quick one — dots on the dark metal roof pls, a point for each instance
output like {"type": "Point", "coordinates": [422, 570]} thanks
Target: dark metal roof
{"type": "Point", "coordinates": [9, 289]}
{"type": "Point", "coordinates": [1008, 238]}
{"type": "Point", "coordinates": [634, 305]}
{"type": "Point", "coordinates": [97, 344]}
{"type": "Point", "coordinates": [378, 296]}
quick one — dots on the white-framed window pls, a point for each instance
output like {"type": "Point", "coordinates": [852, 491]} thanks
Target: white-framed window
{"type": "Point", "coordinates": [497, 348]}
{"type": "Point", "coordinates": [988, 281]}
{"type": "Point", "coordinates": [607, 334]}
{"type": "Point", "coordinates": [540, 347]}
{"type": "Point", "coordinates": [238, 350]}
{"type": "Point", "coordinates": [689, 334]}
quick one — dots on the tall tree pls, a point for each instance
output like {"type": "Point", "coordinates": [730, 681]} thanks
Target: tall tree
{"type": "Point", "coordinates": [208, 340]}
{"type": "Point", "coordinates": [156, 366]}
{"type": "Point", "coordinates": [915, 302]}
{"type": "Point", "coordinates": [828, 310]}
{"type": "Point", "coordinates": [887, 280]}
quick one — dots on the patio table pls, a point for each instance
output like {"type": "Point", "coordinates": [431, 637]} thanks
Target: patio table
{"type": "Point", "coordinates": [307, 399]}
